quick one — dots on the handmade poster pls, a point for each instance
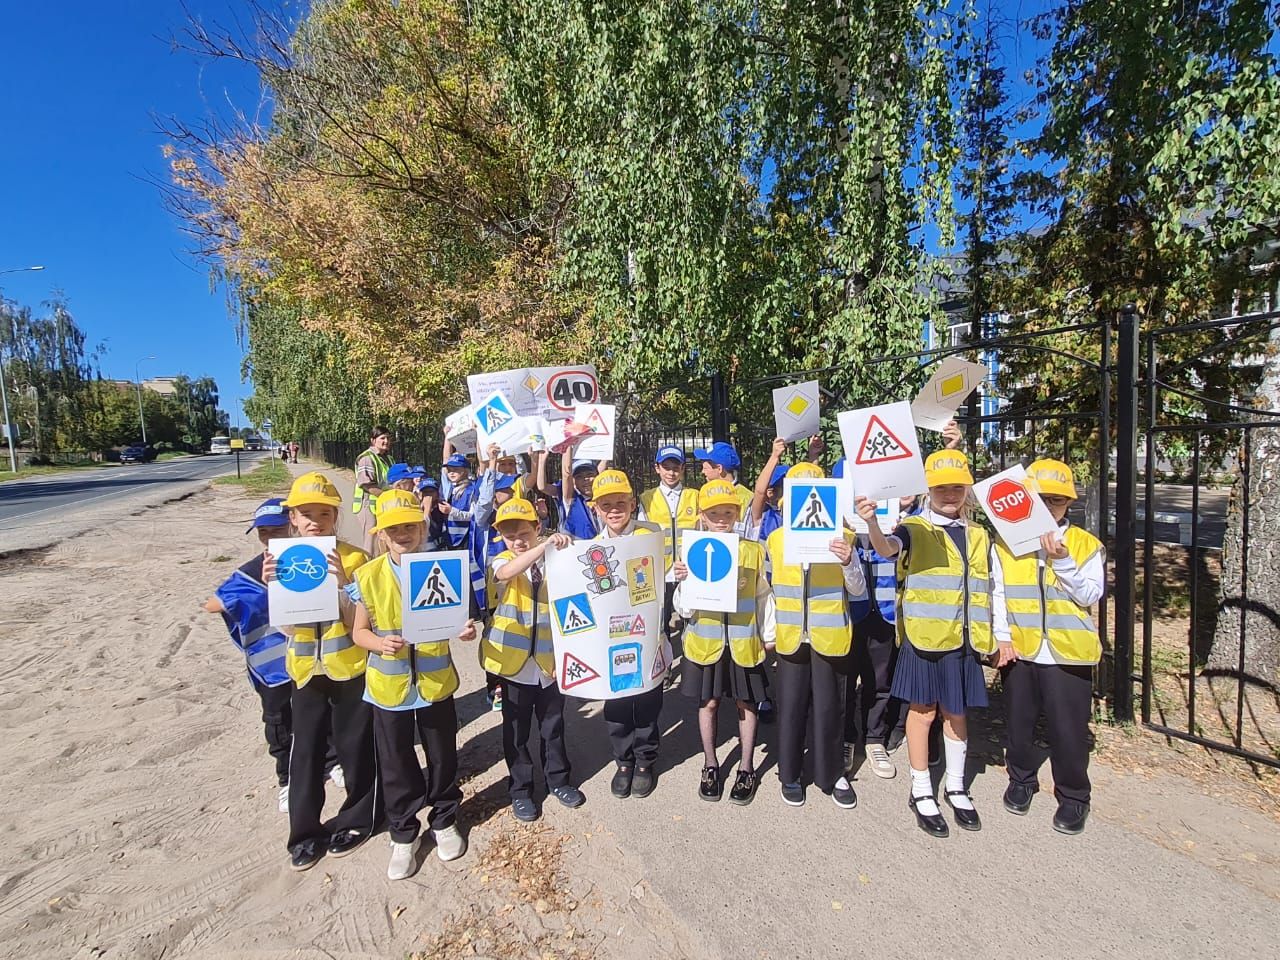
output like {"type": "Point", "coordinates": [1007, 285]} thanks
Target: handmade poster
{"type": "Point", "coordinates": [460, 430]}
{"type": "Point", "coordinates": [606, 608]}
{"type": "Point", "coordinates": [550, 392]}
{"type": "Point", "coordinates": [531, 433]}
{"type": "Point", "coordinates": [712, 559]}
{"type": "Point", "coordinates": [303, 591]}
{"type": "Point", "coordinates": [812, 512]}
{"type": "Point", "coordinates": [497, 422]}
{"type": "Point", "coordinates": [949, 387]}
{"type": "Point", "coordinates": [887, 516]}
{"type": "Point", "coordinates": [1017, 513]}
{"type": "Point", "coordinates": [597, 440]}
{"type": "Point", "coordinates": [796, 410]}
{"type": "Point", "coordinates": [882, 454]}
{"type": "Point", "coordinates": [435, 593]}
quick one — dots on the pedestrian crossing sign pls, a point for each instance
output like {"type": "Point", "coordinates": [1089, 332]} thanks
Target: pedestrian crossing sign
{"type": "Point", "coordinates": [813, 507]}
{"type": "Point", "coordinates": [494, 414]}
{"type": "Point", "coordinates": [435, 595]}
{"type": "Point", "coordinates": [573, 614]}
{"type": "Point", "coordinates": [435, 584]}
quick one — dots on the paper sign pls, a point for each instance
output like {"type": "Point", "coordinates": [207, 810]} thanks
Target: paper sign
{"type": "Point", "coordinates": [811, 514]}
{"type": "Point", "coordinates": [460, 430]}
{"type": "Point", "coordinates": [435, 594]}
{"type": "Point", "coordinates": [796, 410]}
{"type": "Point", "coordinates": [1017, 513]}
{"type": "Point", "coordinates": [597, 442]}
{"type": "Point", "coordinates": [606, 607]}
{"type": "Point", "coordinates": [882, 454]}
{"type": "Point", "coordinates": [949, 387]}
{"type": "Point", "coordinates": [303, 590]}
{"type": "Point", "coordinates": [549, 392]}
{"type": "Point", "coordinates": [887, 516]}
{"type": "Point", "coordinates": [497, 422]}
{"type": "Point", "coordinates": [712, 559]}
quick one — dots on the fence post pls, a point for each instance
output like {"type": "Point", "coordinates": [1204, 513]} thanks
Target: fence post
{"type": "Point", "coordinates": [1126, 550]}
{"type": "Point", "coordinates": [719, 408]}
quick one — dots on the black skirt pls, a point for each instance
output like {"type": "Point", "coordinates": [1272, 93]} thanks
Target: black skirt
{"type": "Point", "coordinates": [953, 679]}
{"type": "Point", "coordinates": [724, 678]}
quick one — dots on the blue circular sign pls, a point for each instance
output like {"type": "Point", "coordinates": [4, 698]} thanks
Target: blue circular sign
{"type": "Point", "coordinates": [301, 568]}
{"type": "Point", "coordinates": [709, 560]}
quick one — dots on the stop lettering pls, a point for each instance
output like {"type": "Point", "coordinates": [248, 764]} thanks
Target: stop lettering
{"type": "Point", "coordinates": [1009, 500]}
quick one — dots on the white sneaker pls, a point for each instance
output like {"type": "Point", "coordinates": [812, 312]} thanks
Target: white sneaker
{"type": "Point", "coordinates": [337, 777]}
{"type": "Point", "coordinates": [404, 859]}
{"type": "Point", "coordinates": [850, 751]}
{"type": "Point", "coordinates": [881, 765]}
{"type": "Point", "coordinates": [283, 802]}
{"type": "Point", "coordinates": [450, 843]}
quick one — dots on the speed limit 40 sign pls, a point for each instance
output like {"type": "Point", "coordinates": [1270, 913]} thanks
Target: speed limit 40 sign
{"type": "Point", "coordinates": [1018, 515]}
{"type": "Point", "coordinates": [569, 387]}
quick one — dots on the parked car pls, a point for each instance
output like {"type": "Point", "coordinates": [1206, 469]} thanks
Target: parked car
{"type": "Point", "coordinates": [137, 453]}
{"type": "Point", "coordinates": [220, 445]}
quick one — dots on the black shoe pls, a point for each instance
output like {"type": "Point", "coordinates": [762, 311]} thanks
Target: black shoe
{"type": "Point", "coordinates": [305, 855]}
{"type": "Point", "coordinates": [744, 787]}
{"type": "Point", "coordinates": [1017, 798]}
{"type": "Point", "coordinates": [895, 740]}
{"type": "Point", "coordinates": [645, 779]}
{"type": "Point", "coordinates": [524, 809]}
{"type": "Point", "coordinates": [965, 819]}
{"type": "Point", "coordinates": [711, 788]}
{"type": "Point", "coordinates": [569, 795]}
{"type": "Point", "coordinates": [348, 841]}
{"type": "Point", "coordinates": [793, 794]}
{"type": "Point", "coordinates": [843, 795]}
{"type": "Point", "coordinates": [765, 711]}
{"type": "Point", "coordinates": [933, 824]}
{"type": "Point", "coordinates": [620, 785]}
{"type": "Point", "coordinates": [1070, 817]}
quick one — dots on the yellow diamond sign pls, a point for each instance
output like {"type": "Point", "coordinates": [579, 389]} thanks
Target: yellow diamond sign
{"type": "Point", "coordinates": [796, 406]}
{"type": "Point", "coordinates": [531, 383]}
{"type": "Point", "coordinates": [952, 385]}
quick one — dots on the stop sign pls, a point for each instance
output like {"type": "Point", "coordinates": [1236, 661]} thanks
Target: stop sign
{"type": "Point", "coordinates": [1009, 500]}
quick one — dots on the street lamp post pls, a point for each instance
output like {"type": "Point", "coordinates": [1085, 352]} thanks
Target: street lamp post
{"type": "Point", "coordinates": [4, 394]}
{"type": "Point", "coordinates": [141, 416]}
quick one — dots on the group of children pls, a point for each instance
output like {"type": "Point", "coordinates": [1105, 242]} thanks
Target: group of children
{"type": "Point", "coordinates": [899, 618]}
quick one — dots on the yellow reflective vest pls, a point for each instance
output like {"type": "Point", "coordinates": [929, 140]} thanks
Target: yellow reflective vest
{"type": "Point", "coordinates": [520, 627]}
{"type": "Point", "coordinates": [389, 680]}
{"type": "Point", "coordinates": [657, 511]}
{"type": "Point", "coordinates": [340, 658]}
{"type": "Point", "coordinates": [941, 592]}
{"type": "Point", "coordinates": [809, 600]}
{"type": "Point", "coordinates": [707, 632]}
{"type": "Point", "coordinates": [1040, 612]}
{"type": "Point", "coordinates": [745, 496]}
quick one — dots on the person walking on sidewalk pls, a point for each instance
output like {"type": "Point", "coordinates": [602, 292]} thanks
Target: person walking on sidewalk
{"type": "Point", "coordinates": [372, 467]}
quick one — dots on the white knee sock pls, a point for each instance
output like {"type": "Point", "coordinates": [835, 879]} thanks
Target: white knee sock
{"type": "Point", "coordinates": [956, 751]}
{"type": "Point", "coordinates": [922, 790]}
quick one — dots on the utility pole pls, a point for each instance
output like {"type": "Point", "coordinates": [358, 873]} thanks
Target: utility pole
{"type": "Point", "coordinates": [142, 419]}
{"type": "Point", "coordinates": [4, 393]}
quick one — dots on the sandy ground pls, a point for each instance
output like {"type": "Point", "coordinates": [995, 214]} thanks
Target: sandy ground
{"type": "Point", "coordinates": [140, 820]}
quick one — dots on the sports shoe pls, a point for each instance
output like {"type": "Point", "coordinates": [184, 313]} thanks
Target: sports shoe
{"type": "Point", "coordinates": [337, 777]}
{"type": "Point", "coordinates": [524, 809]}
{"type": "Point", "coordinates": [569, 796]}
{"type": "Point", "coordinates": [1070, 817]}
{"type": "Point", "coordinates": [1017, 798]}
{"type": "Point", "coordinates": [793, 794]}
{"type": "Point", "coordinates": [404, 859]}
{"type": "Point", "coordinates": [881, 765]}
{"type": "Point", "coordinates": [843, 794]}
{"type": "Point", "coordinates": [282, 802]}
{"type": "Point", "coordinates": [305, 855]}
{"type": "Point", "coordinates": [744, 787]}
{"type": "Point", "coordinates": [896, 739]}
{"type": "Point", "coordinates": [850, 752]}
{"type": "Point", "coordinates": [710, 788]}
{"type": "Point", "coordinates": [450, 843]}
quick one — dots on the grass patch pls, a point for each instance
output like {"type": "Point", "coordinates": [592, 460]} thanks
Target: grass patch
{"type": "Point", "coordinates": [171, 455]}
{"type": "Point", "coordinates": [269, 477]}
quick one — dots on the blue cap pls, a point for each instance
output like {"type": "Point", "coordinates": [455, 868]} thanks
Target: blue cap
{"type": "Point", "coordinates": [428, 483]}
{"type": "Point", "coordinates": [838, 470]}
{"type": "Point", "coordinates": [505, 481]}
{"type": "Point", "coordinates": [417, 473]}
{"type": "Point", "coordinates": [721, 454]}
{"type": "Point", "coordinates": [397, 472]}
{"type": "Point", "coordinates": [272, 513]}
{"type": "Point", "coordinates": [583, 465]}
{"type": "Point", "coordinates": [457, 460]}
{"type": "Point", "coordinates": [779, 473]}
{"type": "Point", "coordinates": [669, 453]}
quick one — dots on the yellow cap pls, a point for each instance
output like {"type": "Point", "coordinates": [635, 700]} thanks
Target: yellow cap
{"type": "Point", "coordinates": [515, 509]}
{"type": "Point", "coordinates": [395, 507]}
{"type": "Point", "coordinates": [610, 482]}
{"type": "Point", "coordinates": [946, 467]}
{"type": "Point", "coordinates": [719, 493]}
{"type": "Point", "coordinates": [1052, 477]}
{"type": "Point", "coordinates": [313, 487]}
{"type": "Point", "coordinates": [804, 470]}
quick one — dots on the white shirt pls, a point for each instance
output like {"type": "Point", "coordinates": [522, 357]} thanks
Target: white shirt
{"type": "Point", "coordinates": [672, 496]}
{"type": "Point", "coordinates": [530, 674]}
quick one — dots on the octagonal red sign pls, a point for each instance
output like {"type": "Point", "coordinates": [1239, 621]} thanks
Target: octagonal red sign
{"type": "Point", "coordinates": [1009, 500]}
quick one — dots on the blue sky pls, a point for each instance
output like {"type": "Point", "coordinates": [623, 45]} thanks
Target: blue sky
{"type": "Point", "coordinates": [80, 83]}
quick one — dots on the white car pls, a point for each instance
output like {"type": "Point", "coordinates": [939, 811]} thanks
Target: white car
{"type": "Point", "coordinates": [220, 445]}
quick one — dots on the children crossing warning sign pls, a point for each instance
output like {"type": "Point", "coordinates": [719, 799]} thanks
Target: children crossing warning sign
{"type": "Point", "coordinates": [884, 453]}
{"type": "Point", "coordinates": [599, 419]}
{"type": "Point", "coordinates": [574, 671]}
{"type": "Point", "coordinates": [880, 444]}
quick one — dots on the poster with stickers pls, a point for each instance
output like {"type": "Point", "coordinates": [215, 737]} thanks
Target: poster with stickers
{"type": "Point", "coordinates": [547, 392]}
{"type": "Point", "coordinates": [606, 604]}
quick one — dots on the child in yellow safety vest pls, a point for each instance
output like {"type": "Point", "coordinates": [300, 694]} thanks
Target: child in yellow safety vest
{"type": "Point", "coordinates": [814, 636]}
{"type": "Point", "coordinates": [518, 648]}
{"type": "Point", "coordinates": [410, 688]}
{"type": "Point", "coordinates": [673, 507]}
{"type": "Point", "coordinates": [1048, 647]}
{"type": "Point", "coordinates": [944, 565]}
{"type": "Point", "coordinates": [327, 670]}
{"type": "Point", "coordinates": [724, 652]}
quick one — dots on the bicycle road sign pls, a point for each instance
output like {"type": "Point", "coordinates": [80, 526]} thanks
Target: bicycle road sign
{"type": "Point", "coordinates": [302, 568]}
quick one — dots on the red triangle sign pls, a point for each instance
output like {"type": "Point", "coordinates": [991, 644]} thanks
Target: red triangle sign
{"type": "Point", "coordinates": [596, 424]}
{"type": "Point", "coordinates": [573, 672]}
{"type": "Point", "coordinates": [880, 445]}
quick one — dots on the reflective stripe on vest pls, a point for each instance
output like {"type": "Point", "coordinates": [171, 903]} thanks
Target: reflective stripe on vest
{"type": "Point", "coordinates": [514, 634]}
{"type": "Point", "coordinates": [1039, 611]}
{"type": "Point", "coordinates": [340, 658]}
{"type": "Point", "coordinates": [389, 680]}
{"type": "Point", "coordinates": [657, 510]}
{"type": "Point", "coordinates": [380, 468]}
{"type": "Point", "coordinates": [459, 530]}
{"type": "Point", "coordinates": [706, 633]}
{"type": "Point", "coordinates": [265, 653]}
{"type": "Point", "coordinates": [942, 591]}
{"type": "Point", "coordinates": [809, 603]}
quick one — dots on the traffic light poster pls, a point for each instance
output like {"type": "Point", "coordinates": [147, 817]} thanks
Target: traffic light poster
{"type": "Point", "coordinates": [606, 604]}
{"type": "Point", "coordinates": [882, 454]}
{"type": "Point", "coordinates": [712, 559]}
{"type": "Point", "coordinates": [435, 595]}
{"type": "Point", "coordinates": [303, 590]}
{"type": "Point", "coordinates": [1017, 513]}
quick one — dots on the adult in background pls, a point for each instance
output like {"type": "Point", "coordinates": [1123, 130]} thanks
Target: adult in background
{"type": "Point", "coordinates": [371, 480]}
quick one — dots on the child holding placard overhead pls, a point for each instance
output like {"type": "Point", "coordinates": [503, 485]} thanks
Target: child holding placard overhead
{"type": "Point", "coordinates": [724, 652]}
{"type": "Point", "coordinates": [1050, 645]}
{"type": "Point", "coordinates": [944, 626]}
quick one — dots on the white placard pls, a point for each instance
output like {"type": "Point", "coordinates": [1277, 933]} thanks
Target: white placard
{"type": "Point", "coordinates": [460, 431]}
{"type": "Point", "coordinates": [598, 418]}
{"type": "Point", "coordinates": [549, 392]}
{"type": "Point", "coordinates": [303, 590]}
{"type": "Point", "coordinates": [1017, 512]}
{"type": "Point", "coordinates": [812, 512]}
{"type": "Point", "coordinates": [949, 387]}
{"type": "Point", "coordinates": [797, 411]}
{"type": "Point", "coordinates": [531, 428]}
{"type": "Point", "coordinates": [606, 604]}
{"type": "Point", "coordinates": [887, 515]}
{"type": "Point", "coordinates": [497, 422]}
{"type": "Point", "coordinates": [712, 559]}
{"type": "Point", "coordinates": [882, 454]}
{"type": "Point", "coordinates": [435, 592]}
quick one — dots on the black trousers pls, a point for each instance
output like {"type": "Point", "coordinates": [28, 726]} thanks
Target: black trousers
{"type": "Point", "coordinates": [810, 684]}
{"type": "Point", "coordinates": [1065, 696]}
{"type": "Point", "coordinates": [673, 633]}
{"type": "Point", "coordinates": [521, 703]}
{"type": "Point", "coordinates": [870, 713]}
{"type": "Point", "coordinates": [323, 706]}
{"type": "Point", "coordinates": [633, 727]}
{"type": "Point", "coordinates": [405, 789]}
{"type": "Point", "coordinates": [277, 724]}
